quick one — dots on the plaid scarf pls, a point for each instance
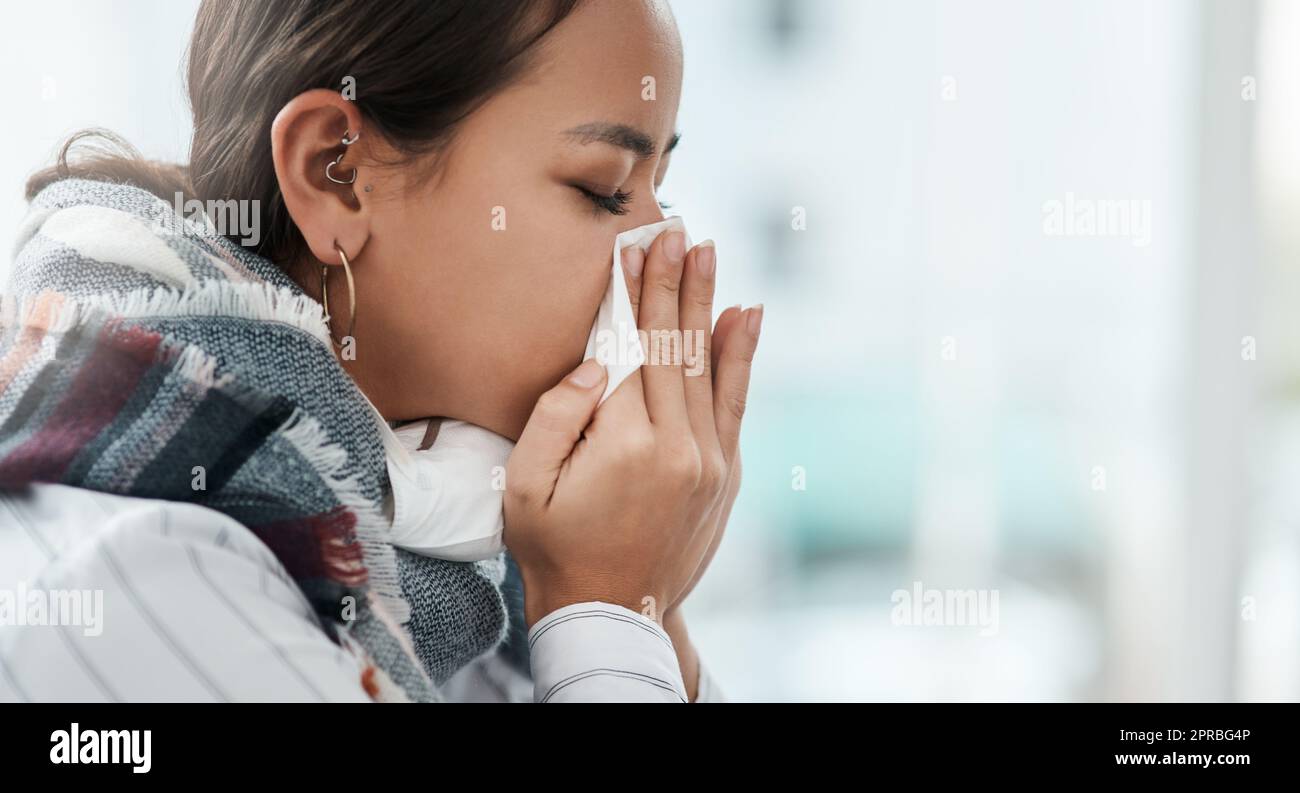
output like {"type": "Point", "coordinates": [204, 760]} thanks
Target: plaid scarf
{"type": "Point", "coordinates": [145, 355]}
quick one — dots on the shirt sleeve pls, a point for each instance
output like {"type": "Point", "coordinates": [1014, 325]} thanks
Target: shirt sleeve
{"type": "Point", "coordinates": [491, 679]}
{"type": "Point", "coordinates": [600, 652]}
{"type": "Point", "coordinates": [187, 605]}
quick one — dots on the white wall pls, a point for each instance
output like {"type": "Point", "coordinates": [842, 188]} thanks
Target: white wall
{"type": "Point", "coordinates": [71, 64]}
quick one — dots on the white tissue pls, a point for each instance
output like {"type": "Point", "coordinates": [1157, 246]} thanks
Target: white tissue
{"type": "Point", "coordinates": [446, 500]}
{"type": "Point", "coordinates": [614, 340]}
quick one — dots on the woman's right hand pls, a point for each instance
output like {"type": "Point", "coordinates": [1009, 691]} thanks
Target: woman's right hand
{"type": "Point", "coordinates": [617, 509]}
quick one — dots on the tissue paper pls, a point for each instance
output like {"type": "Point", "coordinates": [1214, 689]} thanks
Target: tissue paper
{"type": "Point", "coordinates": [446, 500]}
{"type": "Point", "coordinates": [614, 340]}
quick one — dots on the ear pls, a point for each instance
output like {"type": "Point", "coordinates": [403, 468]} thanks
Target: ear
{"type": "Point", "coordinates": [306, 136]}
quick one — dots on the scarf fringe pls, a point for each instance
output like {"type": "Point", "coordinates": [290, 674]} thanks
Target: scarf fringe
{"type": "Point", "coordinates": [245, 300]}
{"type": "Point", "coordinates": [378, 684]}
{"type": "Point", "coordinates": [303, 431]}
{"type": "Point", "coordinates": [313, 443]}
{"type": "Point", "coordinates": [198, 367]}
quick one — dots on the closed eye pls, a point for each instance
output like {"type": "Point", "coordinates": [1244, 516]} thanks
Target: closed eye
{"type": "Point", "coordinates": [615, 204]}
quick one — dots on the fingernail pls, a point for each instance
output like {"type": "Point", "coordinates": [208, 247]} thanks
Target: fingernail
{"type": "Point", "coordinates": [588, 374]}
{"type": "Point", "coordinates": [755, 321]}
{"type": "Point", "coordinates": [633, 260]}
{"type": "Point", "coordinates": [705, 258]}
{"type": "Point", "coordinates": [675, 246]}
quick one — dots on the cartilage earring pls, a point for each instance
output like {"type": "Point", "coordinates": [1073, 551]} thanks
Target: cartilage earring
{"type": "Point", "coordinates": [329, 167]}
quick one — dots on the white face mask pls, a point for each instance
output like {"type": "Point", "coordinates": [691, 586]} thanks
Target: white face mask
{"type": "Point", "coordinates": [446, 500]}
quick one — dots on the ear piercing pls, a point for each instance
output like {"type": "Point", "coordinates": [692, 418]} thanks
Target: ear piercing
{"type": "Point", "coordinates": [329, 167]}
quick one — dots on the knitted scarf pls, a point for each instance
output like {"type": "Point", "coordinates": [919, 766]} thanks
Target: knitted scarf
{"type": "Point", "coordinates": [143, 354]}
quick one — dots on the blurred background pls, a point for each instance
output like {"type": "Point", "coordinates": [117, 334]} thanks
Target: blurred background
{"type": "Point", "coordinates": [974, 377]}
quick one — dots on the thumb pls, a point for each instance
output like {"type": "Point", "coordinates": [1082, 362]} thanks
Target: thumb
{"type": "Point", "coordinates": [553, 429]}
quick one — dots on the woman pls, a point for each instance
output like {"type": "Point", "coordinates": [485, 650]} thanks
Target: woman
{"type": "Point", "coordinates": [184, 432]}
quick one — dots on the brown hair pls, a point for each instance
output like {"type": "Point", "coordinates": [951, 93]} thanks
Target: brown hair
{"type": "Point", "coordinates": [419, 67]}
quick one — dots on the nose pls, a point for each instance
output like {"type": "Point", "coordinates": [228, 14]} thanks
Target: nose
{"type": "Point", "coordinates": [647, 212]}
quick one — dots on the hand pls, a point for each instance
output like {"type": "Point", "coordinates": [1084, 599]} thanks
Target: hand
{"type": "Point", "coordinates": [725, 364]}
{"type": "Point", "coordinates": [627, 510]}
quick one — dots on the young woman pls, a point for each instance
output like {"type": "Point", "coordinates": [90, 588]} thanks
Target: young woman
{"type": "Point", "coordinates": [184, 427]}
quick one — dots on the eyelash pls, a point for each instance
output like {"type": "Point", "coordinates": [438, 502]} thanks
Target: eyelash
{"type": "Point", "coordinates": [612, 204]}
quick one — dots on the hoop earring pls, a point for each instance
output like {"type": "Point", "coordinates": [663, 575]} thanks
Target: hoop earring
{"type": "Point", "coordinates": [352, 297]}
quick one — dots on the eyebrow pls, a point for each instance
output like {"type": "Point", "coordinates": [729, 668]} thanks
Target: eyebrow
{"type": "Point", "coordinates": [620, 135]}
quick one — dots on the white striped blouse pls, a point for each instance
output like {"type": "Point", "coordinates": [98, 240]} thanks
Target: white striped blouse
{"type": "Point", "coordinates": [110, 598]}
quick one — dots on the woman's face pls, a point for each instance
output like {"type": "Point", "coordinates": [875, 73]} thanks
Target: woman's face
{"type": "Point", "coordinates": [476, 291]}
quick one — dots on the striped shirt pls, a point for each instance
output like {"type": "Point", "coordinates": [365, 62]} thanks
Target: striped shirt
{"type": "Point", "coordinates": [111, 598]}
